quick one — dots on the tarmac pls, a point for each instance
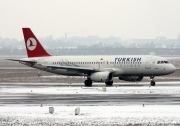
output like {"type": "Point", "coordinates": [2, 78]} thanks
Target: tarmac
{"type": "Point", "coordinates": [77, 94]}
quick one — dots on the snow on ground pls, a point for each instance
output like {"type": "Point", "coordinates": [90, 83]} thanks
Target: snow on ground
{"type": "Point", "coordinates": [90, 115]}
{"type": "Point", "coordinates": [96, 90]}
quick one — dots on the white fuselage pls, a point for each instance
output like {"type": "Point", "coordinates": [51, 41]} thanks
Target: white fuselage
{"type": "Point", "coordinates": [121, 65]}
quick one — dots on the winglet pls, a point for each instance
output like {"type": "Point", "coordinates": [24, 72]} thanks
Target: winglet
{"type": "Point", "coordinates": [33, 46]}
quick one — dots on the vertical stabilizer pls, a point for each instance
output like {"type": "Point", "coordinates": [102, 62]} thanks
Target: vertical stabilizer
{"type": "Point", "coordinates": [33, 46]}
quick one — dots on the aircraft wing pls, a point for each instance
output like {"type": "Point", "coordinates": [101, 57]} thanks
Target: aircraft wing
{"type": "Point", "coordinates": [73, 68]}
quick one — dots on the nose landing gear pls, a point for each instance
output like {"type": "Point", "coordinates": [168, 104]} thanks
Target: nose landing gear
{"type": "Point", "coordinates": [152, 83]}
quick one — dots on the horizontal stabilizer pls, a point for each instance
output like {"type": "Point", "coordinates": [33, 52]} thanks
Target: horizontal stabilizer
{"type": "Point", "coordinates": [28, 61]}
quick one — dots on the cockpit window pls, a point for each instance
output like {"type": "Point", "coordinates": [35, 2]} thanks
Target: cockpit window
{"type": "Point", "coordinates": [162, 62]}
{"type": "Point", "coordinates": [166, 62]}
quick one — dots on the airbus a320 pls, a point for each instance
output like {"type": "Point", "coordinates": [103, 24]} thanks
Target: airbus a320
{"type": "Point", "coordinates": [95, 68]}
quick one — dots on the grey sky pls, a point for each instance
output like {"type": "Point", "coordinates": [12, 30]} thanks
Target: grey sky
{"type": "Point", "coordinates": [123, 18]}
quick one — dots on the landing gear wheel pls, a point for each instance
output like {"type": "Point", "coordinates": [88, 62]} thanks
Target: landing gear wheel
{"type": "Point", "coordinates": [153, 83]}
{"type": "Point", "coordinates": [109, 83]}
{"type": "Point", "coordinates": [88, 83]}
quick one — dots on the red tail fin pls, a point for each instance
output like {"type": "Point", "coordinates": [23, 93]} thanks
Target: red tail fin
{"type": "Point", "coordinates": [33, 46]}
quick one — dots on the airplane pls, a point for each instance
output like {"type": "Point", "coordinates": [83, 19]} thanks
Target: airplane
{"type": "Point", "coordinates": [94, 68]}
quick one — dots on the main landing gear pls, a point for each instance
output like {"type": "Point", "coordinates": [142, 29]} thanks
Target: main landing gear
{"type": "Point", "coordinates": [152, 83]}
{"type": "Point", "coordinates": [109, 83]}
{"type": "Point", "coordinates": [88, 83]}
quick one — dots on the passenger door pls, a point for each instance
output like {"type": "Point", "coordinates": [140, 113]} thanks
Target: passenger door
{"type": "Point", "coordinates": [148, 63]}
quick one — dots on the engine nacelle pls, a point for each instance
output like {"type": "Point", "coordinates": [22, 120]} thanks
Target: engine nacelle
{"type": "Point", "coordinates": [131, 78]}
{"type": "Point", "coordinates": [101, 76]}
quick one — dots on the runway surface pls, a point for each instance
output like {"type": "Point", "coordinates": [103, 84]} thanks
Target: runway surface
{"type": "Point", "coordinates": [77, 94]}
{"type": "Point", "coordinates": [115, 99]}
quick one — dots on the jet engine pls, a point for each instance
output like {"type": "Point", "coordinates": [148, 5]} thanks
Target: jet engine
{"type": "Point", "coordinates": [101, 76]}
{"type": "Point", "coordinates": [131, 78]}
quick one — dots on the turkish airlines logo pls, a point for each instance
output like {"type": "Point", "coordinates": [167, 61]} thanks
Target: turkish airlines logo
{"type": "Point", "coordinates": [31, 44]}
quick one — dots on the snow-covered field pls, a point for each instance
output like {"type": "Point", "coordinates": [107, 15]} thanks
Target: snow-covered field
{"type": "Point", "coordinates": [98, 90]}
{"type": "Point", "coordinates": [128, 114]}
{"type": "Point", "coordinates": [91, 115]}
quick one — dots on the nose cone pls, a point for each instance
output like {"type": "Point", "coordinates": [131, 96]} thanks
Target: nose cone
{"type": "Point", "coordinates": [171, 68]}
